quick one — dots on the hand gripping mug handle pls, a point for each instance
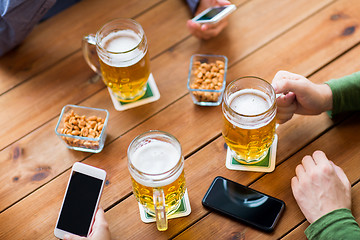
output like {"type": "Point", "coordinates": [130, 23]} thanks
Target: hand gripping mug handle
{"type": "Point", "coordinates": [160, 213]}
{"type": "Point", "coordinates": [89, 52]}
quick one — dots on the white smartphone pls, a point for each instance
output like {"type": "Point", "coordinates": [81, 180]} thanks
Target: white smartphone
{"type": "Point", "coordinates": [81, 200]}
{"type": "Point", "coordinates": [214, 14]}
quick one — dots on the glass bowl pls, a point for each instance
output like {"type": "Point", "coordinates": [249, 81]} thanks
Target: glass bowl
{"type": "Point", "coordinates": [207, 79]}
{"type": "Point", "coordinates": [82, 128]}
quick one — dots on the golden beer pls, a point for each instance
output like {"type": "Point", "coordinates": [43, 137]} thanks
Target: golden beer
{"type": "Point", "coordinates": [249, 111]}
{"type": "Point", "coordinates": [173, 193]}
{"type": "Point", "coordinates": [122, 50]}
{"type": "Point", "coordinates": [127, 70]}
{"type": "Point", "coordinates": [156, 167]}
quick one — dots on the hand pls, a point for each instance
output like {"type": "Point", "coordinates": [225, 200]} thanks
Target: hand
{"type": "Point", "coordinates": [300, 96]}
{"type": "Point", "coordinates": [100, 229]}
{"type": "Point", "coordinates": [320, 187]}
{"type": "Point", "coordinates": [207, 31]}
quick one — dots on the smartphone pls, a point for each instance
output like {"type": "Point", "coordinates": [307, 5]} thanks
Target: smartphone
{"type": "Point", "coordinates": [81, 200]}
{"type": "Point", "coordinates": [244, 204]}
{"type": "Point", "coordinates": [214, 14]}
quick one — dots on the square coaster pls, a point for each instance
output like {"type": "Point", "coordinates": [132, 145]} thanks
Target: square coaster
{"type": "Point", "coordinates": [183, 210]}
{"type": "Point", "coordinates": [152, 94]}
{"type": "Point", "coordinates": [265, 165]}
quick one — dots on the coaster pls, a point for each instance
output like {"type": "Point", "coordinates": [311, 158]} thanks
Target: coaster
{"type": "Point", "coordinates": [183, 210]}
{"type": "Point", "coordinates": [265, 165]}
{"type": "Point", "coordinates": [152, 94]}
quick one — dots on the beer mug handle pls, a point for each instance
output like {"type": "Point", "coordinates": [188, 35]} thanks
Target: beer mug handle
{"type": "Point", "coordinates": [90, 54]}
{"type": "Point", "coordinates": [160, 213]}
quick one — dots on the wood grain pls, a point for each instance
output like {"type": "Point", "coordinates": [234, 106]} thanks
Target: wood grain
{"type": "Point", "coordinates": [73, 90]}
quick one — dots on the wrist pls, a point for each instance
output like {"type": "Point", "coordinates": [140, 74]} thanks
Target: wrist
{"type": "Point", "coordinates": [327, 97]}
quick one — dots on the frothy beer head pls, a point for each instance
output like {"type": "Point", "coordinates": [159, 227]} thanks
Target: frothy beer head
{"type": "Point", "coordinates": [122, 44]}
{"type": "Point", "coordinates": [249, 102]}
{"type": "Point", "coordinates": [155, 157]}
{"type": "Point", "coordinates": [250, 105]}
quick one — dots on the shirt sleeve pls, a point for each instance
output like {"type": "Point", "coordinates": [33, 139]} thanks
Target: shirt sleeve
{"type": "Point", "coordinates": [338, 224]}
{"type": "Point", "coordinates": [17, 19]}
{"type": "Point", "coordinates": [193, 5]}
{"type": "Point", "coordinates": [346, 94]}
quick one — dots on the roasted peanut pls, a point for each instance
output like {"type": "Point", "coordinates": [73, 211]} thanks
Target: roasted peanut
{"type": "Point", "coordinates": [81, 126]}
{"type": "Point", "coordinates": [208, 76]}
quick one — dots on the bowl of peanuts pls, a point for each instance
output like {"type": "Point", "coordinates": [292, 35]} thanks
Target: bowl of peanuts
{"type": "Point", "coordinates": [207, 79]}
{"type": "Point", "coordinates": [83, 128]}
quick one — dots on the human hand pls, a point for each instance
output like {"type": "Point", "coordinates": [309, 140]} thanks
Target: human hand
{"type": "Point", "coordinates": [100, 229]}
{"type": "Point", "coordinates": [207, 31]}
{"type": "Point", "coordinates": [320, 187]}
{"type": "Point", "coordinates": [300, 96]}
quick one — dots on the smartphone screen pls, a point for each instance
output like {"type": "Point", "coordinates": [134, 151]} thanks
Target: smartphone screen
{"type": "Point", "coordinates": [242, 203]}
{"type": "Point", "coordinates": [212, 13]}
{"type": "Point", "coordinates": [79, 204]}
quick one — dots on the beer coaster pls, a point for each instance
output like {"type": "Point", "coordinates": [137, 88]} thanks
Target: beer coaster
{"type": "Point", "coordinates": [152, 94]}
{"type": "Point", "coordinates": [265, 165]}
{"type": "Point", "coordinates": [183, 210]}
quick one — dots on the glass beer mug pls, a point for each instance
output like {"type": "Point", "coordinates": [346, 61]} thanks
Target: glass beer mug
{"type": "Point", "coordinates": [156, 167]}
{"type": "Point", "coordinates": [249, 110]}
{"type": "Point", "coordinates": [122, 51]}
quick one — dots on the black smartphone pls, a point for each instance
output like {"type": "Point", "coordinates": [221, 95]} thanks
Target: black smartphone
{"type": "Point", "coordinates": [244, 204]}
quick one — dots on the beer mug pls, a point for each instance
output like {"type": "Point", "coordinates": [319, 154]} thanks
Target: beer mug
{"type": "Point", "coordinates": [249, 109]}
{"type": "Point", "coordinates": [156, 167]}
{"type": "Point", "coordinates": [122, 51]}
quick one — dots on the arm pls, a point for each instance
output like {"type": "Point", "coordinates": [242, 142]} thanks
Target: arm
{"type": "Point", "coordinates": [346, 93]}
{"type": "Point", "coordinates": [338, 224]}
{"type": "Point", "coordinates": [18, 17]}
{"type": "Point", "coordinates": [323, 193]}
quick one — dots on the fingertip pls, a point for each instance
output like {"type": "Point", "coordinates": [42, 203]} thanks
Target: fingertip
{"type": "Point", "coordinates": [204, 27]}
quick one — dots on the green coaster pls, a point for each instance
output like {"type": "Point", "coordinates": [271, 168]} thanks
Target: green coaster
{"type": "Point", "coordinates": [183, 210]}
{"type": "Point", "coordinates": [152, 94]}
{"type": "Point", "coordinates": [265, 165]}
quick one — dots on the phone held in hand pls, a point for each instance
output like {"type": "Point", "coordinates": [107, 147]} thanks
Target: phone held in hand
{"type": "Point", "coordinates": [81, 200]}
{"type": "Point", "coordinates": [244, 204]}
{"type": "Point", "coordinates": [214, 14]}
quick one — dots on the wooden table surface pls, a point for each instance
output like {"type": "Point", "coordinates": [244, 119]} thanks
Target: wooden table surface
{"type": "Point", "coordinates": [318, 39]}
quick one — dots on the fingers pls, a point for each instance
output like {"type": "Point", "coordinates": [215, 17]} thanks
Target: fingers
{"type": "Point", "coordinates": [285, 81]}
{"type": "Point", "coordinates": [206, 31]}
{"type": "Point", "coordinates": [99, 219]}
{"type": "Point", "coordinates": [73, 237]}
{"type": "Point", "coordinates": [212, 30]}
{"type": "Point", "coordinates": [286, 105]}
{"type": "Point", "coordinates": [223, 2]}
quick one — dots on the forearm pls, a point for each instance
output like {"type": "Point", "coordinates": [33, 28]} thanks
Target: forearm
{"type": "Point", "coordinates": [17, 20]}
{"type": "Point", "coordinates": [346, 93]}
{"type": "Point", "coordinates": [338, 224]}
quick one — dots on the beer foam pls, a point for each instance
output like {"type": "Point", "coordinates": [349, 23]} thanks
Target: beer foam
{"type": "Point", "coordinates": [249, 102]}
{"type": "Point", "coordinates": [120, 42]}
{"type": "Point", "coordinates": [156, 157]}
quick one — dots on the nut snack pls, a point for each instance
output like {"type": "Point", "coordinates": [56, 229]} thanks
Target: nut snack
{"type": "Point", "coordinates": [207, 79]}
{"type": "Point", "coordinates": [82, 128]}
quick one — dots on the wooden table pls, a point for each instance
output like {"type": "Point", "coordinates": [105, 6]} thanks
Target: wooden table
{"type": "Point", "coordinates": [318, 39]}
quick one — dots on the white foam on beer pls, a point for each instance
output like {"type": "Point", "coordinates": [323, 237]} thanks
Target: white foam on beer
{"type": "Point", "coordinates": [120, 42]}
{"type": "Point", "coordinates": [249, 102]}
{"type": "Point", "coordinates": [156, 157]}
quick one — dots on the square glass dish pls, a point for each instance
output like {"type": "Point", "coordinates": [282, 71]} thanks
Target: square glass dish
{"type": "Point", "coordinates": [82, 128]}
{"type": "Point", "coordinates": [207, 79]}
